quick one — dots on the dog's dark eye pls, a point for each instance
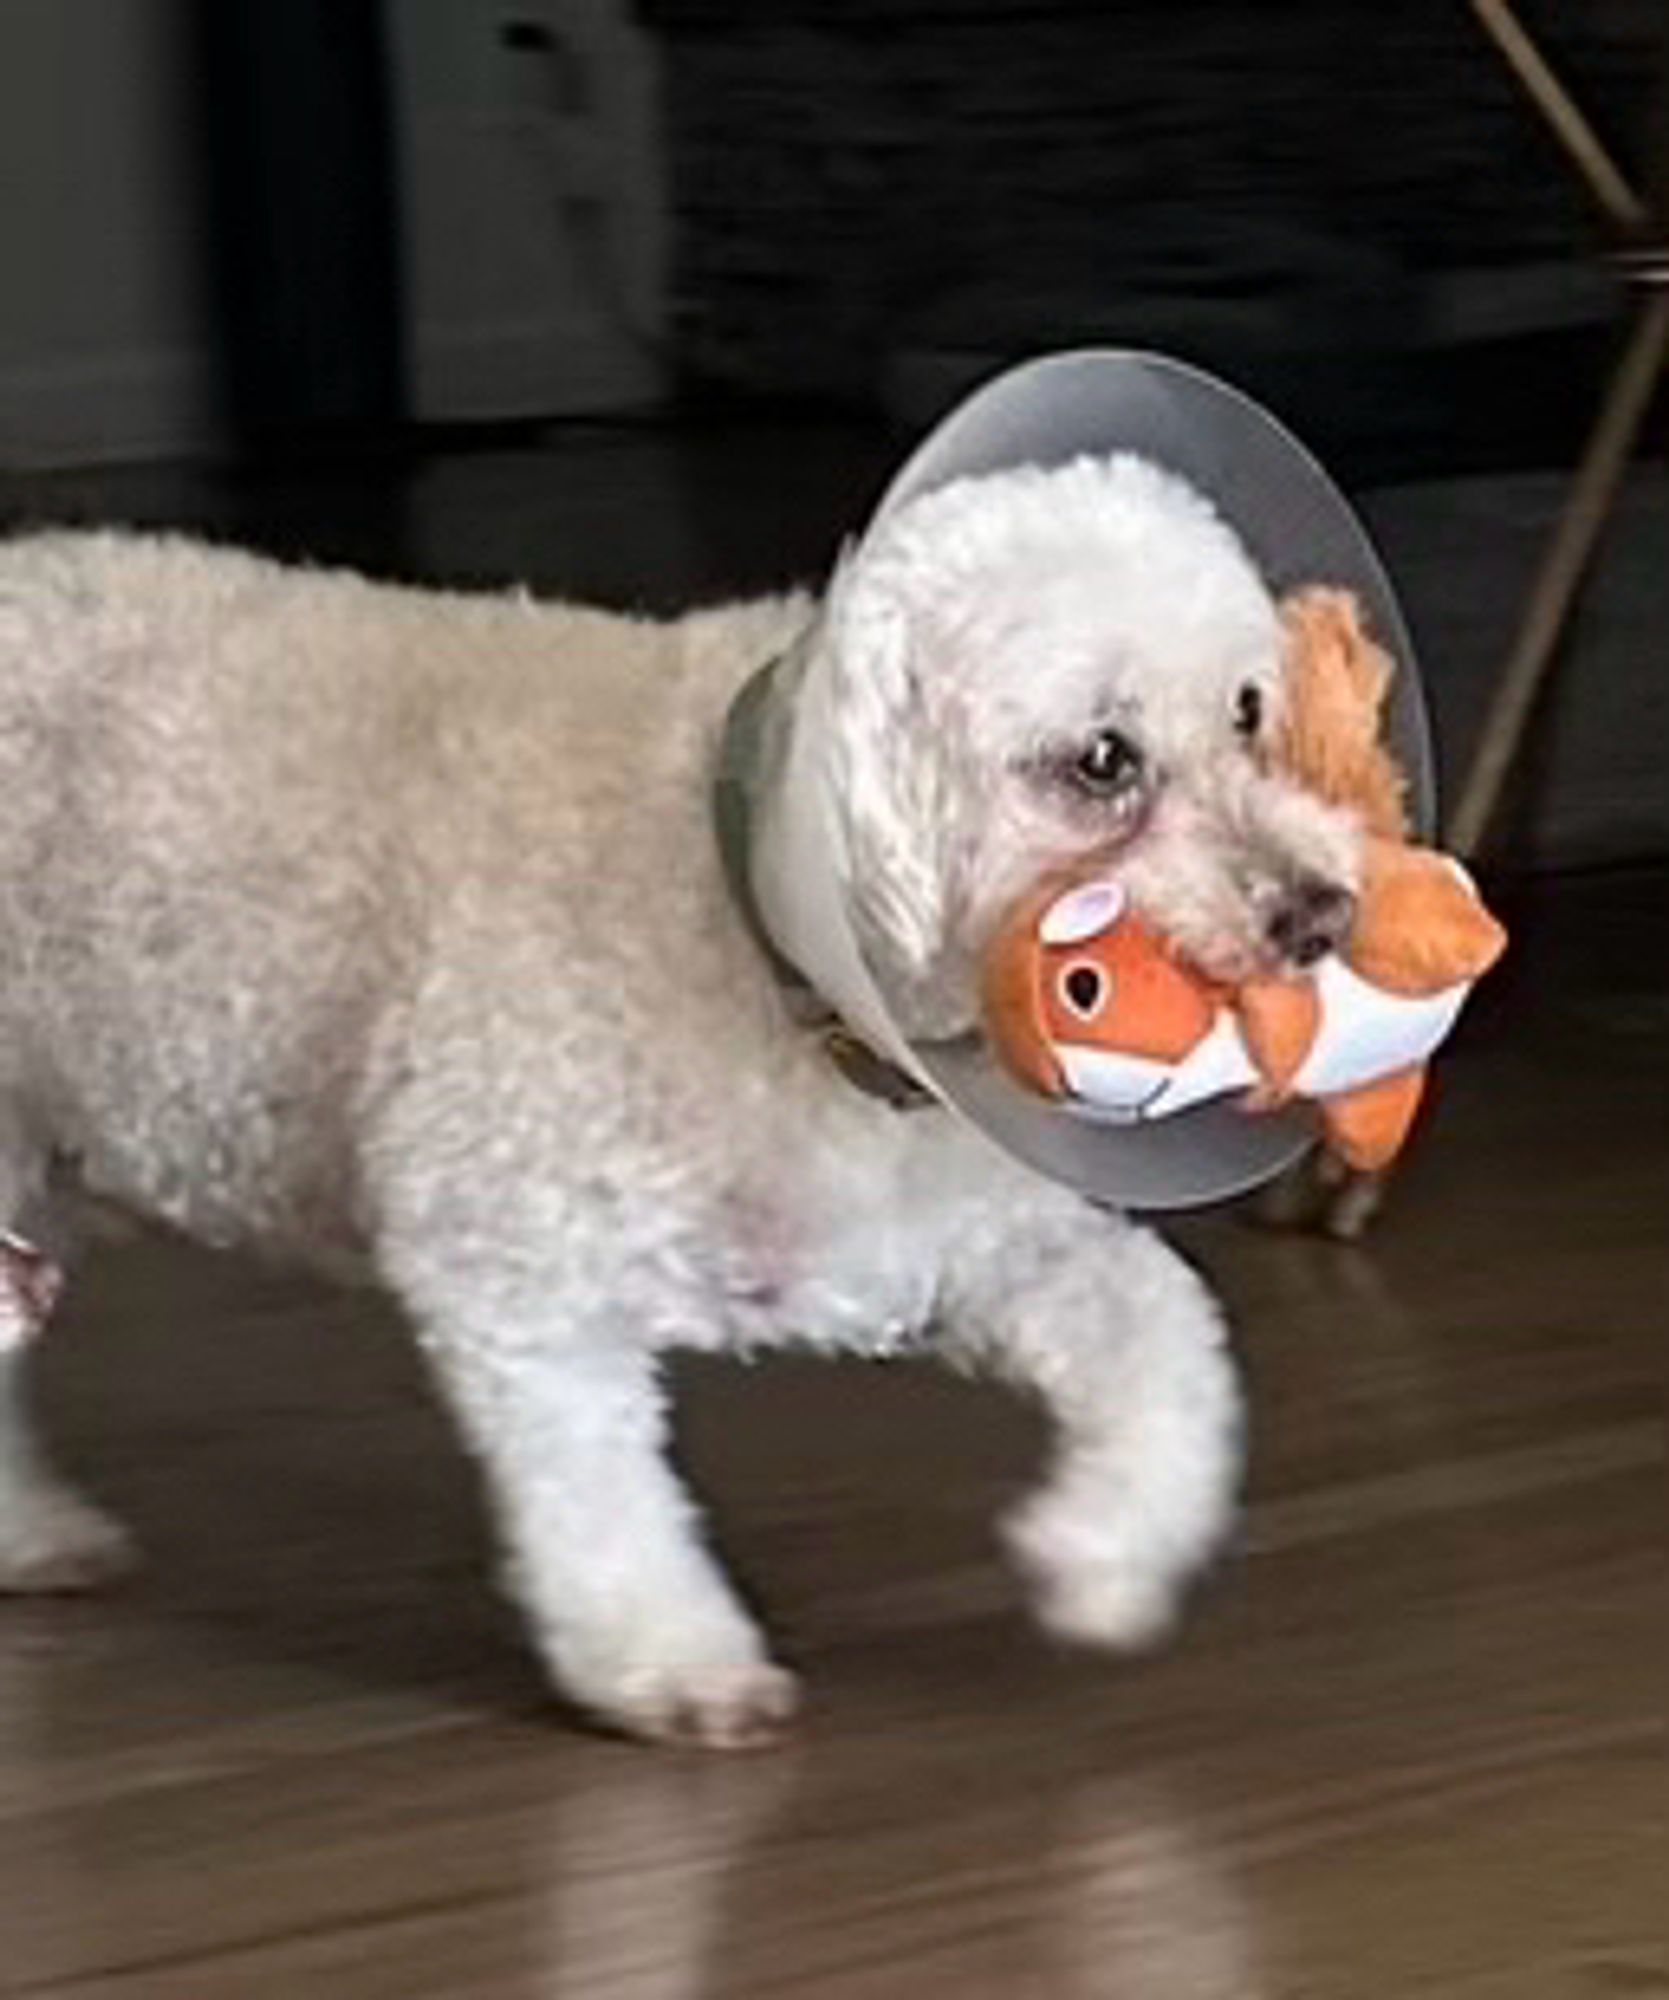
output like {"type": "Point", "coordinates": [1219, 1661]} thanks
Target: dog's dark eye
{"type": "Point", "coordinates": [1108, 764]}
{"type": "Point", "coordinates": [1248, 710]}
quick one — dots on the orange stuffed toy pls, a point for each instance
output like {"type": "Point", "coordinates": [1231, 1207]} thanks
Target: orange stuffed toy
{"type": "Point", "coordinates": [1085, 1002]}
{"type": "Point", "coordinates": [1421, 932]}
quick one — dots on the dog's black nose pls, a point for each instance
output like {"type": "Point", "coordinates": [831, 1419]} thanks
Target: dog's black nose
{"type": "Point", "coordinates": [1312, 919]}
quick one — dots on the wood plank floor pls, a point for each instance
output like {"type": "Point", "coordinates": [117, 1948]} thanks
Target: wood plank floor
{"type": "Point", "coordinates": [1409, 1744]}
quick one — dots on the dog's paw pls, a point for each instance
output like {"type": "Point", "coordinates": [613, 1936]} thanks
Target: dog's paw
{"type": "Point", "coordinates": [53, 1543]}
{"type": "Point", "coordinates": [740, 1705]}
{"type": "Point", "coordinates": [1112, 1606]}
{"type": "Point", "coordinates": [1086, 1589]}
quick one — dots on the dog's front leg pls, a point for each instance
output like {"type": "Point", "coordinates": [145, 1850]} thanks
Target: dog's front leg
{"type": "Point", "coordinates": [630, 1612]}
{"type": "Point", "coordinates": [1126, 1349]}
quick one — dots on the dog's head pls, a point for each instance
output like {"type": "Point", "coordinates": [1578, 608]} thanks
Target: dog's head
{"type": "Point", "coordinates": [1040, 667]}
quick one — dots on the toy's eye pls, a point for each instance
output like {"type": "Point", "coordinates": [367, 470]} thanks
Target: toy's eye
{"type": "Point", "coordinates": [1109, 763]}
{"type": "Point", "coordinates": [1084, 989]}
{"type": "Point", "coordinates": [1248, 710]}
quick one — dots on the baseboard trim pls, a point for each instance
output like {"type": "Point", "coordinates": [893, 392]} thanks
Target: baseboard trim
{"type": "Point", "coordinates": [107, 409]}
{"type": "Point", "coordinates": [529, 368]}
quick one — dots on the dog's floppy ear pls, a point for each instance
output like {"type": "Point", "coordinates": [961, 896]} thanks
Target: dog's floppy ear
{"type": "Point", "coordinates": [901, 810]}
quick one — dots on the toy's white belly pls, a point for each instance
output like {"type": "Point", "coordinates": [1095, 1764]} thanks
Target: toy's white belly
{"type": "Point", "coordinates": [1126, 1090]}
{"type": "Point", "coordinates": [1367, 1033]}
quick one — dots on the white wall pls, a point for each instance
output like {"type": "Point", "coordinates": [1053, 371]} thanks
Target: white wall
{"type": "Point", "coordinates": [535, 208]}
{"type": "Point", "coordinates": [535, 238]}
{"type": "Point", "coordinates": [102, 346]}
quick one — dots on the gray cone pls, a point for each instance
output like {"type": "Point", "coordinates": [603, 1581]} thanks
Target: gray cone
{"type": "Point", "coordinates": [1298, 529]}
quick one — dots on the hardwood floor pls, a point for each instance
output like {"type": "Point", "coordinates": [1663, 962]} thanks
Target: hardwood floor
{"type": "Point", "coordinates": [1409, 1744]}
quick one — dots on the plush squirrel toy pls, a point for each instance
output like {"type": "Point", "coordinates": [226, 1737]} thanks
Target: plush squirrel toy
{"type": "Point", "coordinates": [1085, 1002]}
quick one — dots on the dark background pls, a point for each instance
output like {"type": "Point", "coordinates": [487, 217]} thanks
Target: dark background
{"type": "Point", "coordinates": [861, 208]}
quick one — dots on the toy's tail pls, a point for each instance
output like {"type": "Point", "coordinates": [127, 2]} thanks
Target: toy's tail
{"type": "Point", "coordinates": [1430, 930]}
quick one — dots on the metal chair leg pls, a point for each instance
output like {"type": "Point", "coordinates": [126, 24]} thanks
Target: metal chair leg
{"type": "Point", "coordinates": [1586, 514]}
{"type": "Point", "coordinates": [1319, 1193]}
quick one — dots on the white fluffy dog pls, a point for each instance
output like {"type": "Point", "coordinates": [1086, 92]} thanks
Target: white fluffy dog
{"type": "Point", "coordinates": [362, 923]}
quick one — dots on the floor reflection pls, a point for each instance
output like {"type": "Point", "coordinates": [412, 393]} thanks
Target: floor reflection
{"type": "Point", "coordinates": [639, 1872]}
{"type": "Point", "coordinates": [669, 1880]}
{"type": "Point", "coordinates": [1146, 1904]}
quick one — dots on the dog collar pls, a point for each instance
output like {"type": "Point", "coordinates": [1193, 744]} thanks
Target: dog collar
{"type": "Point", "coordinates": [741, 754]}
{"type": "Point", "coordinates": [783, 835]}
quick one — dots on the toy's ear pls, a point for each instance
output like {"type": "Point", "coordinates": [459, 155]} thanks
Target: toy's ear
{"type": "Point", "coordinates": [1330, 643]}
{"type": "Point", "coordinates": [1085, 911]}
{"type": "Point", "coordinates": [1336, 683]}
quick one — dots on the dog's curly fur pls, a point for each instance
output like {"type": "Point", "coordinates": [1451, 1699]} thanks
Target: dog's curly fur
{"type": "Point", "coordinates": [372, 924]}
